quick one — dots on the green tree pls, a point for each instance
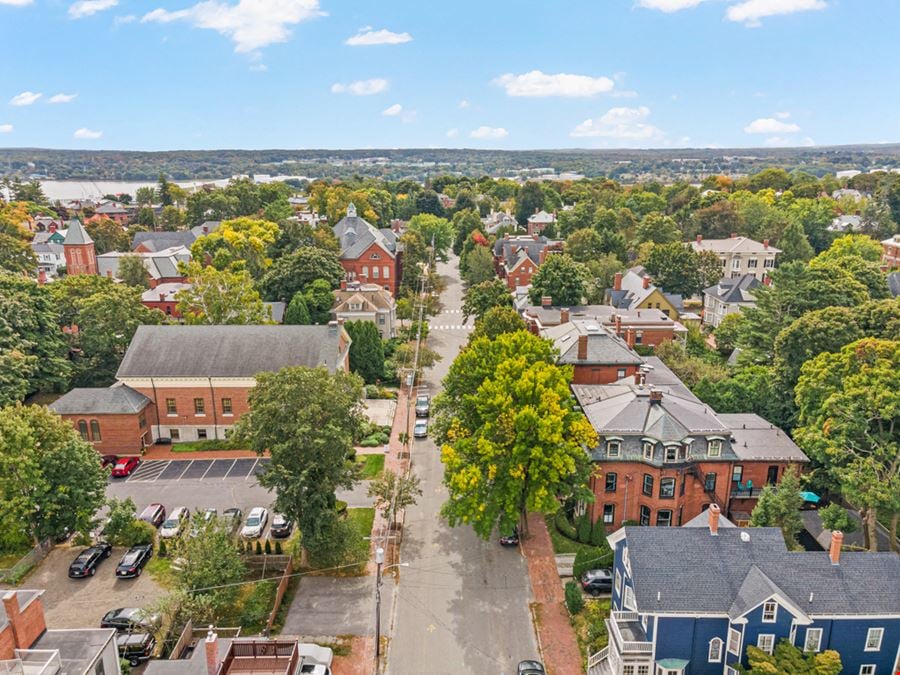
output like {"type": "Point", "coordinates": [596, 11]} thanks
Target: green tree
{"type": "Point", "coordinates": [122, 527]}
{"type": "Point", "coordinates": [171, 219]}
{"type": "Point", "coordinates": [779, 506]}
{"type": "Point", "coordinates": [836, 517]}
{"type": "Point", "coordinates": [529, 200]}
{"type": "Point", "coordinates": [50, 479]}
{"type": "Point", "coordinates": [584, 245]}
{"type": "Point", "coordinates": [319, 301]}
{"type": "Point", "coordinates": [16, 256]}
{"type": "Point", "coordinates": [497, 321]}
{"type": "Point", "coordinates": [728, 332]}
{"type": "Point", "coordinates": [787, 659]}
{"type": "Point", "coordinates": [433, 229]}
{"type": "Point", "coordinates": [146, 218]}
{"type": "Point", "coordinates": [393, 493]}
{"type": "Point", "coordinates": [479, 266]}
{"type": "Point", "coordinates": [482, 297]}
{"type": "Point", "coordinates": [848, 403]}
{"type": "Point", "coordinates": [145, 196]}
{"type": "Point", "coordinates": [366, 350]}
{"type": "Point", "coordinates": [560, 278]}
{"type": "Point", "coordinates": [658, 229]}
{"type": "Point", "coordinates": [794, 244]}
{"type": "Point", "coordinates": [297, 270]}
{"type": "Point", "coordinates": [309, 444]}
{"type": "Point", "coordinates": [108, 235]}
{"type": "Point", "coordinates": [428, 203]}
{"type": "Point", "coordinates": [861, 245]}
{"type": "Point", "coordinates": [220, 297]}
{"type": "Point", "coordinates": [242, 243]}
{"type": "Point", "coordinates": [164, 191]}
{"type": "Point", "coordinates": [133, 272]}
{"type": "Point", "coordinates": [679, 269]}
{"type": "Point", "coordinates": [464, 223]}
{"type": "Point", "coordinates": [297, 313]}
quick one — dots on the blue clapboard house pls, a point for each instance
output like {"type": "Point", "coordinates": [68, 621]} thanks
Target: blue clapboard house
{"type": "Point", "coordinates": [690, 600]}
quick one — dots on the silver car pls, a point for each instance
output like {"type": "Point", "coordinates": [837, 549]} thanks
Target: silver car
{"type": "Point", "coordinates": [255, 523]}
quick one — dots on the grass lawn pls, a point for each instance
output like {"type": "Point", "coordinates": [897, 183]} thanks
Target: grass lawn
{"type": "Point", "coordinates": [161, 570]}
{"type": "Point", "coordinates": [590, 629]}
{"type": "Point", "coordinates": [561, 543]}
{"type": "Point", "coordinates": [371, 466]}
{"type": "Point", "coordinates": [202, 446]}
{"type": "Point", "coordinates": [7, 560]}
{"type": "Point", "coordinates": [362, 519]}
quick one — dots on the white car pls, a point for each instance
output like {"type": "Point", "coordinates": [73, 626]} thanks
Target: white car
{"type": "Point", "coordinates": [255, 523]}
{"type": "Point", "coordinates": [420, 430]}
{"type": "Point", "coordinates": [173, 525]}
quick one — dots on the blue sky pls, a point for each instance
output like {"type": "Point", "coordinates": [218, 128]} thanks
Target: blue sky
{"type": "Point", "coordinates": [176, 74]}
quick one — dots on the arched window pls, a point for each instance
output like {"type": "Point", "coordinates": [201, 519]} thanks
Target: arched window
{"type": "Point", "coordinates": [82, 429]}
{"type": "Point", "coordinates": [715, 650]}
{"type": "Point", "coordinates": [95, 430]}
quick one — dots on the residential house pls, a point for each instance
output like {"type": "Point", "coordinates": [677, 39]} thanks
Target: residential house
{"type": "Point", "coordinates": [740, 255]}
{"type": "Point", "coordinates": [366, 302]}
{"type": "Point", "coordinates": [847, 193]}
{"type": "Point", "coordinates": [164, 297]}
{"type": "Point", "coordinates": [890, 259]}
{"type": "Point", "coordinates": [161, 266]}
{"type": "Point", "coordinates": [597, 355]}
{"type": "Point", "coordinates": [78, 249]}
{"type": "Point", "coordinates": [499, 219]}
{"type": "Point", "coordinates": [690, 600]}
{"type": "Point", "coordinates": [663, 455]}
{"type": "Point", "coordinates": [648, 327]}
{"type": "Point", "coordinates": [113, 211]}
{"type": "Point", "coordinates": [53, 235]}
{"type": "Point", "coordinates": [539, 220]}
{"type": "Point", "coordinates": [44, 223]}
{"type": "Point", "coordinates": [115, 419]}
{"type": "Point", "coordinates": [28, 647]}
{"type": "Point", "coordinates": [50, 257]}
{"type": "Point", "coordinates": [368, 255]}
{"type": "Point", "coordinates": [846, 223]}
{"type": "Point", "coordinates": [517, 258]}
{"type": "Point", "coordinates": [635, 290]}
{"type": "Point", "coordinates": [153, 242]}
{"type": "Point", "coordinates": [729, 296]}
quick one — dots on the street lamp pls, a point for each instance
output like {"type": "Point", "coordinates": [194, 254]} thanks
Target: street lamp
{"type": "Point", "coordinates": [379, 561]}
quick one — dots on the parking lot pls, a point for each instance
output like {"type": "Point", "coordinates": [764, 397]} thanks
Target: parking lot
{"type": "Point", "coordinates": [198, 469]}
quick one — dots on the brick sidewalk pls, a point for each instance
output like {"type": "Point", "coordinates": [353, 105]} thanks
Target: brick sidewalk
{"type": "Point", "coordinates": [559, 648]}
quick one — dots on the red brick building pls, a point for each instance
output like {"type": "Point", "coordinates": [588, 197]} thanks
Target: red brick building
{"type": "Point", "coordinates": [164, 297]}
{"type": "Point", "coordinates": [368, 255]}
{"type": "Point", "coordinates": [596, 354]}
{"type": "Point", "coordinates": [663, 455]}
{"type": "Point", "coordinates": [196, 381]}
{"type": "Point", "coordinates": [78, 248]}
{"type": "Point", "coordinates": [517, 259]}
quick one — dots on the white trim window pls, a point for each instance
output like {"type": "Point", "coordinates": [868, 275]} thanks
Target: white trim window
{"type": "Point", "coordinates": [714, 448]}
{"type": "Point", "coordinates": [613, 448]}
{"type": "Point", "coordinates": [734, 642]}
{"type": "Point", "coordinates": [770, 611]}
{"type": "Point", "coordinates": [619, 584]}
{"type": "Point", "coordinates": [873, 639]}
{"type": "Point", "coordinates": [715, 651]}
{"type": "Point", "coordinates": [813, 640]}
{"type": "Point", "coordinates": [766, 642]}
{"type": "Point", "coordinates": [867, 669]}
{"type": "Point", "coordinates": [648, 451]}
{"type": "Point", "coordinates": [630, 602]}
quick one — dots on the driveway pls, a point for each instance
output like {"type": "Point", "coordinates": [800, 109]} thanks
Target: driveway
{"type": "Point", "coordinates": [81, 603]}
{"type": "Point", "coordinates": [336, 606]}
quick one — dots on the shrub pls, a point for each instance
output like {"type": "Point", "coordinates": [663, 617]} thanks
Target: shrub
{"type": "Point", "coordinates": [278, 550]}
{"type": "Point", "coordinates": [163, 551]}
{"type": "Point", "coordinates": [370, 442]}
{"type": "Point", "coordinates": [589, 558]}
{"type": "Point", "coordinates": [598, 533]}
{"type": "Point", "coordinates": [258, 548]}
{"type": "Point", "coordinates": [122, 528]}
{"type": "Point", "coordinates": [340, 506]}
{"type": "Point", "coordinates": [268, 547]}
{"type": "Point", "coordinates": [258, 604]}
{"type": "Point", "coordinates": [574, 599]}
{"type": "Point", "coordinates": [583, 525]}
{"type": "Point", "coordinates": [565, 527]}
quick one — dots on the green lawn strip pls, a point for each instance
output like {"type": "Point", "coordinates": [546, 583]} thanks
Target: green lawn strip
{"type": "Point", "coordinates": [561, 543]}
{"type": "Point", "coordinates": [362, 518]}
{"type": "Point", "coordinates": [203, 446]}
{"type": "Point", "coordinates": [161, 570]}
{"type": "Point", "coordinates": [371, 466]}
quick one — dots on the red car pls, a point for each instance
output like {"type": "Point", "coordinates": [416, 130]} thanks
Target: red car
{"type": "Point", "coordinates": [125, 466]}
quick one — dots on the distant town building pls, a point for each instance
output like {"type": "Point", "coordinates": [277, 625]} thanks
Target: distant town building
{"type": "Point", "coordinates": [634, 290]}
{"type": "Point", "coordinates": [538, 221]}
{"type": "Point", "coordinates": [729, 296]}
{"type": "Point", "coordinates": [517, 258]}
{"type": "Point", "coordinates": [366, 302]}
{"type": "Point", "coordinates": [740, 255]}
{"type": "Point", "coordinates": [891, 256]}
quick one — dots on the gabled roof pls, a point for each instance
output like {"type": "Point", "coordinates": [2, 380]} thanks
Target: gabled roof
{"type": "Point", "coordinates": [602, 346]}
{"type": "Point", "coordinates": [371, 296]}
{"type": "Point", "coordinates": [157, 241]}
{"type": "Point", "coordinates": [734, 290]}
{"type": "Point", "coordinates": [689, 571]}
{"type": "Point", "coordinates": [356, 235]}
{"type": "Point", "coordinates": [757, 439]}
{"type": "Point", "coordinates": [508, 248]}
{"type": "Point", "coordinates": [115, 400]}
{"type": "Point", "coordinates": [230, 351]}
{"type": "Point", "coordinates": [110, 207]}
{"type": "Point", "coordinates": [76, 235]}
{"type": "Point", "coordinates": [159, 264]}
{"type": "Point", "coordinates": [633, 292]}
{"type": "Point", "coordinates": [542, 217]}
{"type": "Point", "coordinates": [733, 245]}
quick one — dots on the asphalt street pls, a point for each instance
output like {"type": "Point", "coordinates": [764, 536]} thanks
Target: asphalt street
{"type": "Point", "coordinates": [462, 605]}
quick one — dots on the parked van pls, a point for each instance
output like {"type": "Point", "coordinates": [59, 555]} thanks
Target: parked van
{"type": "Point", "coordinates": [154, 514]}
{"type": "Point", "coordinates": [175, 523]}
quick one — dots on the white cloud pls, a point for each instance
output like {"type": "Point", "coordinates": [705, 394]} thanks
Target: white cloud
{"type": "Point", "coordinates": [62, 98]}
{"type": "Point", "coordinates": [669, 5]}
{"type": "Point", "coordinates": [250, 24]}
{"type": "Point", "coordinates": [463, 104]}
{"type": "Point", "coordinates": [452, 133]}
{"type": "Point", "coordinates": [15, 3]}
{"type": "Point", "coordinates": [88, 134]}
{"type": "Point", "coordinates": [259, 68]}
{"type": "Point", "coordinates": [25, 98]}
{"type": "Point", "coordinates": [6, 128]}
{"type": "Point", "coordinates": [629, 124]}
{"type": "Point", "coordinates": [782, 115]}
{"type": "Point", "coordinates": [361, 87]}
{"type": "Point", "coordinates": [492, 133]}
{"type": "Point", "coordinates": [538, 84]}
{"type": "Point", "coordinates": [750, 12]}
{"type": "Point", "coordinates": [83, 8]}
{"type": "Point", "coordinates": [393, 110]}
{"type": "Point", "coordinates": [122, 20]}
{"type": "Point", "coordinates": [367, 37]}
{"type": "Point", "coordinates": [770, 125]}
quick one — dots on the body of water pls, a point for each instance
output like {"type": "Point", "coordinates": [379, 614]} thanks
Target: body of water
{"type": "Point", "coordinates": [79, 189]}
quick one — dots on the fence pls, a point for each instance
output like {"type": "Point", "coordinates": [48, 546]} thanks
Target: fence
{"type": "Point", "coordinates": [15, 574]}
{"type": "Point", "coordinates": [279, 594]}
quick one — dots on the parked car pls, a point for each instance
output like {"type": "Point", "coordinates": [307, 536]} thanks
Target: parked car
{"type": "Point", "coordinates": [108, 460]}
{"type": "Point", "coordinates": [256, 523]}
{"type": "Point", "coordinates": [530, 668]}
{"type": "Point", "coordinates": [133, 561]}
{"type": "Point", "coordinates": [234, 516]}
{"type": "Point", "coordinates": [86, 562]}
{"type": "Point", "coordinates": [175, 523]}
{"type": "Point", "coordinates": [281, 526]}
{"type": "Point", "coordinates": [135, 647]}
{"type": "Point", "coordinates": [511, 539]}
{"type": "Point", "coordinates": [315, 659]}
{"type": "Point", "coordinates": [595, 582]}
{"type": "Point", "coordinates": [127, 619]}
{"type": "Point", "coordinates": [125, 466]}
{"type": "Point", "coordinates": [420, 430]}
{"type": "Point", "coordinates": [202, 519]}
{"type": "Point", "coordinates": [423, 405]}
{"type": "Point", "coordinates": [155, 514]}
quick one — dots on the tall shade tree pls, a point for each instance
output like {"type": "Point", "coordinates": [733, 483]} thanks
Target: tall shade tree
{"type": "Point", "coordinates": [479, 266]}
{"type": "Point", "coordinates": [295, 271]}
{"type": "Point", "coordinates": [108, 235]}
{"type": "Point", "coordinates": [242, 243]}
{"type": "Point", "coordinates": [861, 245]}
{"type": "Point", "coordinates": [310, 443]}
{"type": "Point", "coordinates": [133, 272]}
{"type": "Point", "coordinates": [366, 350]}
{"type": "Point", "coordinates": [16, 256]}
{"type": "Point", "coordinates": [221, 297]}
{"type": "Point", "coordinates": [584, 245]}
{"type": "Point", "coordinates": [779, 506]}
{"type": "Point", "coordinates": [50, 479]}
{"type": "Point", "coordinates": [679, 269]}
{"type": "Point", "coordinates": [434, 229]}
{"type": "Point", "coordinates": [482, 297]}
{"type": "Point", "coordinates": [297, 313]}
{"type": "Point", "coordinates": [464, 223]}
{"type": "Point", "coordinates": [497, 321]}
{"type": "Point", "coordinates": [319, 300]}
{"type": "Point", "coordinates": [658, 229]}
{"type": "Point", "coordinates": [794, 244]}
{"type": "Point", "coordinates": [529, 200]}
{"type": "Point", "coordinates": [559, 278]}
{"type": "Point", "coordinates": [849, 423]}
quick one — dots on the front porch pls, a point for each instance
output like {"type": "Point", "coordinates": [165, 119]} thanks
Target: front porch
{"type": "Point", "coordinates": [629, 652]}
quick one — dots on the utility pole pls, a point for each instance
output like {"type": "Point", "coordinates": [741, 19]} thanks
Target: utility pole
{"type": "Point", "coordinates": [379, 561]}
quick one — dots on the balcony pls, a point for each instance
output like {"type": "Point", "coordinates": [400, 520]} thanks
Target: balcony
{"type": "Point", "coordinates": [628, 633]}
{"type": "Point", "coordinates": [745, 493]}
{"type": "Point", "coordinates": [32, 662]}
{"type": "Point", "coordinates": [261, 657]}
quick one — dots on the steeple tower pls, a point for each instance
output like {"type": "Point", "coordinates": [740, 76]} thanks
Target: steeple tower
{"type": "Point", "coordinates": [78, 247]}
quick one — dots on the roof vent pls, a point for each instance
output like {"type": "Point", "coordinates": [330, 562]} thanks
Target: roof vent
{"type": "Point", "coordinates": [745, 537]}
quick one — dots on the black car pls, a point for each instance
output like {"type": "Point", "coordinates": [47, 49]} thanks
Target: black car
{"type": "Point", "coordinates": [530, 668]}
{"type": "Point", "coordinates": [511, 539]}
{"type": "Point", "coordinates": [127, 619]}
{"type": "Point", "coordinates": [595, 582]}
{"type": "Point", "coordinates": [135, 647]}
{"type": "Point", "coordinates": [281, 527]}
{"type": "Point", "coordinates": [85, 565]}
{"type": "Point", "coordinates": [134, 560]}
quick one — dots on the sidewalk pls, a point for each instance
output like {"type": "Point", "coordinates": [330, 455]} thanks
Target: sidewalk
{"type": "Point", "coordinates": [556, 638]}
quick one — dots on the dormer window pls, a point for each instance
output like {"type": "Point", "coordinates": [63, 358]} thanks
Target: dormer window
{"type": "Point", "coordinates": [613, 448]}
{"type": "Point", "coordinates": [675, 453]}
{"type": "Point", "coordinates": [375, 256]}
{"type": "Point", "coordinates": [770, 612]}
{"type": "Point", "coordinates": [715, 447]}
{"type": "Point", "coordinates": [648, 451]}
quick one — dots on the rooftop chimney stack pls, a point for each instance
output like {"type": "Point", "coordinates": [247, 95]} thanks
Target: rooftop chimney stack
{"type": "Point", "coordinates": [564, 315]}
{"type": "Point", "coordinates": [646, 282]}
{"type": "Point", "coordinates": [27, 622]}
{"type": "Point", "coordinates": [837, 540]}
{"type": "Point", "coordinates": [618, 320]}
{"type": "Point", "coordinates": [42, 277]}
{"type": "Point", "coordinates": [734, 235]}
{"type": "Point", "coordinates": [212, 651]}
{"type": "Point", "coordinates": [162, 297]}
{"type": "Point", "coordinates": [546, 301]}
{"type": "Point", "coordinates": [617, 282]}
{"type": "Point", "coordinates": [656, 396]}
{"type": "Point", "coordinates": [699, 238]}
{"type": "Point", "coordinates": [714, 512]}
{"type": "Point", "coordinates": [765, 243]}
{"type": "Point", "coordinates": [582, 347]}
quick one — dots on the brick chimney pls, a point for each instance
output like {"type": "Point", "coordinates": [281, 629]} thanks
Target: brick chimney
{"type": "Point", "coordinates": [655, 396]}
{"type": "Point", "coordinates": [542, 256]}
{"type": "Point", "coordinates": [837, 540]}
{"type": "Point", "coordinates": [582, 347]}
{"type": "Point", "coordinates": [534, 237]}
{"type": "Point", "coordinates": [211, 644]}
{"type": "Point", "coordinates": [646, 281]}
{"type": "Point", "coordinates": [618, 320]}
{"type": "Point", "coordinates": [734, 235]}
{"type": "Point", "coordinates": [714, 512]}
{"type": "Point", "coordinates": [42, 277]}
{"type": "Point", "coordinates": [629, 337]}
{"type": "Point", "coordinates": [617, 282]}
{"type": "Point", "coordinates": [162, 297]}
{"type": "Point", "coordinates": [546, 301]}
{"type": "Point", "coordinates": [343, 284]}
{"type": "Point", "coordinates": [564, 315]}
{"type": "Point", "coordinates": [27, 623]}
{"type": "Point", "coordinates": [52, 228]}
{"type": "Point", "coordinates": [765, 243]}
{"type": "Point", "coordinates": [206, 229]}
{"type": "Point", "coordinates": [699, 238]}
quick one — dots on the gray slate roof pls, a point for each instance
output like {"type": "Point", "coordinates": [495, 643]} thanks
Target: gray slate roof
{"type": "Point", "coordinates": [228, 351]}
{"type": "Point", "coordinates": [602, 346]}
{"type": "Point", "coordinates": [734, 290]}
{"type": "Point", "coordinates": [694, 572]}
{"type": "Point", "coordinates": [633, 292]}
{"type": "Point", "coordinates": [115, 400]}
{"type": "Point", "coordinates": [356, 235]}
{"type": "Point", "coordinates": [76, 234]}
{"type": "Point", "coordinates": [160, 264]}
{"type": "Point", "coordinates": [893, 281]}
{"type": "Point", "coordinates": [157, 241]}
{"type": "Point", "coordinates": [508, 247]}
{"type": "Point", "coordinates": [757, 439]}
